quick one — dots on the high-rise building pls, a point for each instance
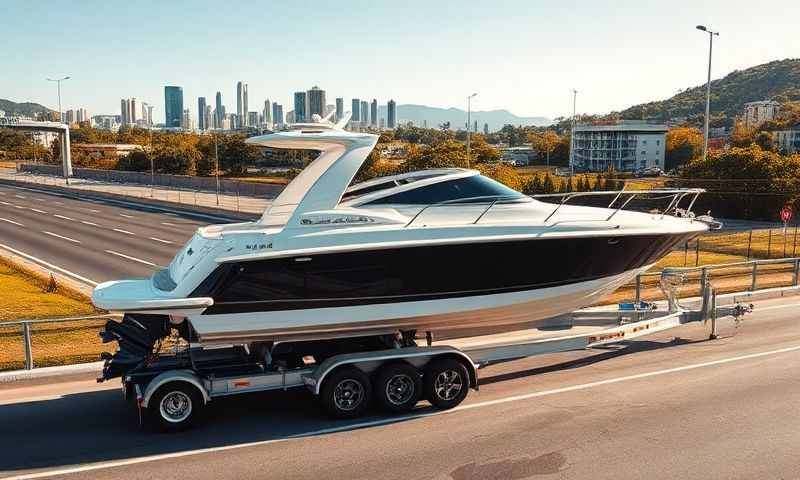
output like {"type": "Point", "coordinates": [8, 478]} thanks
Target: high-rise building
{"type": "Point", "coordinates": [475, 128]}
{"type": "Point", "coordinates": [339, 108]}
{"type": "Point", "coordinates": [267, 112]}
{"type": "Point", "coordinates": [382, 123]}
{"type": "Point", "coordinates": [391, 115]}
{"type": "Point", "coordinates": [123, 110]}
{"type": "Point", "coordinates": [208, 118]}
{"type": "Point", "coordinates": [486, 129]}
{"type": "Point", "coordinates": [316, 103]}
{"type": "Point", "coordinates": [219, 111]}
{"type": "Point", "coordinates": [299, 107]}
{"type": "Point", "coordinates": [186, 120]}
{"type": "Point", "coordinates": [82, 115]}
{"type": "Point", "coordinates": [373, 113]}
{"type": "Point", "coordinates": [173, 106]}
{"type": "Point", "coordinates": [355, 111]}
{"type": "Point", "coordinates": [132, 111]}
{"type": "Point", "coordinates": [291, 117]}
{"type": "Point", "coordinates": [201, 113]}
{"type": "Point", "coordinates": [277, 113]}
{"type": "Point", "coordinates": [252, 119]}
{"type": "Point", "coordinates": [239, 99]}
{"type": "Point", "coordinates": [364, 113]}
{"type": "Point", "coordinates": [244, 97]}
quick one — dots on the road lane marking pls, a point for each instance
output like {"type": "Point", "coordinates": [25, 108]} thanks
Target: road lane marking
{"type": "Point", "coordinates": [49, 265]}
{"type": "Point", "coordinates": [37, 210]}
{"type": "Point", "coordinates": [160, 240]}
{"type": "Point", "coordinates": [63, 217]}
{"type": "Point", "coordinates": [86, 222]}
{"type": "Point", "coordinates": [20, 196]}
{"type": "Point", "coordinates": [123, 231]}
{"type": "Point", "coordinates": [11, 221]}
{"type": "Point", "coordinates": [168, 224]}
{"type": "Point", "coordinates": [19, 206]}
{"type": "Point", "coordinates": [5, 203]}
{"type": "Point", "coordinates": [125, 215]}
{"type": "Point", "coordinates": [40, 199]}
{"type": "Point", "coordinates": [60, 236]}
{"type": "Point", "coordinates": [395, 419]}
{"type": "Point", "coordinates": [112, 252]}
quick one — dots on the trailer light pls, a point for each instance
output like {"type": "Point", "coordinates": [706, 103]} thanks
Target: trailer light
{"type": "Point", "coordinates": [241, 383]}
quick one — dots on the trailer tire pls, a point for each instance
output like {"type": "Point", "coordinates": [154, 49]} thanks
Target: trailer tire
{"type": "Point", "coordinates": [346, 392]}
{"type": "Point", "coordinates": [398, 387]}
{"type": "Point", "coordinates": [446, 383]}
{"type": "Point", "coordinates": [175, 406]}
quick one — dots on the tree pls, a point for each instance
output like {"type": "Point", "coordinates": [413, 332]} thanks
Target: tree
{"type": "Point", "coordinates": [136, 161]}
{"type": "Point", "coordinates": [545, 141]}
{"type": "Point", "coordinates": [682, 146]}
{"type": "Point", "coordinates": [765, 140]}
{"type": "Point", "coordinates": [547, 184]}
{"type": "Point", "coordinates": [741, 136]}
{"type": "Point", "coordinates": [482, 152]}
{"type": "Point", "coordinates": [443, 155]}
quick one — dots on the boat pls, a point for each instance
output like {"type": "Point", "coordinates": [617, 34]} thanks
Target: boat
{"type": "Point", "coordinates": [435, 252]}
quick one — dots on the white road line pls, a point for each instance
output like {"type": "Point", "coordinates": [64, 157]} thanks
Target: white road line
{"type": "Point", "coordinates": [86, 222]}
{"type": "Point", "coordinates": [49, 265]}
{"type": "Point", "coordinates": [112, 252]}
{"type": "Point", "coordinates": [160, 240]}
{"type": "Point", "coordinates": [63, 217]}
{"type": "Point", "coordinates": [386, 421]}
{"type": "Point", "coordinates": [125, 215]}
{"type": "Point", "coordinates": [5, 203]}
{"type": "Point", "coordinates": [19, 206]}
{"type": "Point", "coordinates": [171, 214]}
{"type": "Point", "coordinates": [20, 196]}
{"type": "Point", "coordinates": [11, 221]}
{"type": "Point", "coordinates": [168, 224]}
{"type": "Point", "coordinates": [40, 199]}
{"type": "Point", "coordinates": [60, 236]}
{"type": "Point", "coordinates": [37, 210]}
{"type": "Point", "coordinates": [123, 231]}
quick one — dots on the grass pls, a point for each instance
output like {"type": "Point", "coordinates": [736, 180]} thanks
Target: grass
{"type": "Point", "coordinates": [53, 343]}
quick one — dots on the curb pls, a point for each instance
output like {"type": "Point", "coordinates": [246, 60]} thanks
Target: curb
{"type": "Point", "coordinates": [42, 373]}
{"type": "Point", "coordinates": [45, 272]}
{"type": "Point", "coordinates": [172, 206]}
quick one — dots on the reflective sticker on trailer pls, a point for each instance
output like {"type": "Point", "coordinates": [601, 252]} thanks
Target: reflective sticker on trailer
{"type": "Point", "coordinates": [241, 383]}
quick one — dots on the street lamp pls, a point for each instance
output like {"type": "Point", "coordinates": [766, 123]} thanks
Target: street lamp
{"type": "Point", "coordinates": [58, 82]}
{"type": "Point", "coordinates": [711, 34]}
{"type": "Point", "coordinates": [469, 122]}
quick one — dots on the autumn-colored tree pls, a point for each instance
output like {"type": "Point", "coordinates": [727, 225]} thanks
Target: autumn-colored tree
{"type": "Point", "coordinates": [765, 140]}
{"type": "Point", "coordinates": [443, 155]}
{"type": "Point", "coordinates": [547, 184]}
{"type": "Point", "coordinates": [741, 136]}
{"type": "Point", "coordinates": [544, 142]}
{"type": "Point", "coordinates": [682, 146]}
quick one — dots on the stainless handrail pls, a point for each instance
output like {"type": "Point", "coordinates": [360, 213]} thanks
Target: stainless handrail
{"type": "Point", "coordinates": [491, 199]}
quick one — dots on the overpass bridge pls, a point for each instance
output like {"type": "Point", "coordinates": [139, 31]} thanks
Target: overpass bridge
{"type": "Point", "coordinates": [32, 125]}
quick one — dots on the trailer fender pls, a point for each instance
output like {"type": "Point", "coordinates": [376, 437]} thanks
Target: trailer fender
{"type": "Point", "coordinates": [412, 354]}
{"type": "Point", "coordinates": [187, 376]}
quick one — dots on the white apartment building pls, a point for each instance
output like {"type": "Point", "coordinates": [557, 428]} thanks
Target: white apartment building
{"type": "Point", "coordinates": [788, 140]}
{"type": "Point", "coordinates": [625, 146]}
{"type": "Point", "coordinates": [756, 113]}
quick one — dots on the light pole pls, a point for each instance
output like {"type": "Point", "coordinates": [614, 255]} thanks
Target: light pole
{"type": "Point", "coordinates": [711, 34]}
{"type": "Point", "coordinates": [58, 82]}
{"type": "Point", "coordinates": [469, 123]}
{"type": "Point", "coordinates": [572, 134]}
{"type": "Point", "coordinates": [216, 164]}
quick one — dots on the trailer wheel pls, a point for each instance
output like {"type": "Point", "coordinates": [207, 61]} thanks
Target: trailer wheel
{"type": "Point", "coordinates": [346, 393]}
{"type": "Point", "coordinates": [446, 383]}
{"type": "Point", "coordinates": [175, 406]}
{"type": "Point", "coordinates": [398, 387]}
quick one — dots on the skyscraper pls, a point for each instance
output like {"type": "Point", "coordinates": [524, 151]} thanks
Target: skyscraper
{"type": "Point", "coordinates": [373, 113]}
{"type": "Point", "coordinates": [486, 129]}
{"type": "Point", "coordinates": [299, 107]}
{"type": "Point", "coordinates": [132, 110]}
{"type": "Point", "coordinates": [277, 113]}
{"type": "Point", "coordinates": [244, 96]}
{"type": "Point", "coordinates": [339, 108]}
{"type": "Point", "coordinates": [123, 111]}
{"type": "Point", "coordinates": [364, 113]}
{"type": "Point", "coordinates": [356, 111]}
{"type": "Point", "coordinates": [267, 112]}
{"type": "Point", "coordinates": [173, 106]}
{"type": "Point", "coordinates": [186, 120]}
{"type": "Point", "coordinates": [219, 112]}
{"type": "Point", "coordinates": [208, 121]}
{"type": "Point", "coordinates": [391, 115]}
{"type": "Point", "coordinates": [201, 113]}
{"type": "Point", "coordinates": [316, 102]}
{"type": "Point", "coordinates": [240, 99]}
{"type": "Point", "coordinates": [252, 119]}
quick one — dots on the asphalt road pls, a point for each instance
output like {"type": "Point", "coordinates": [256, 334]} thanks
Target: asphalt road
{"type": "Point", "coordinates": [663, 407]}
{"type": "Point", "coordinates": [93, 238]}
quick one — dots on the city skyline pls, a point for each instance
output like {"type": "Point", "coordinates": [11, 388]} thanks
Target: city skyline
{"type": "Point", "coordinates": [528, 69]}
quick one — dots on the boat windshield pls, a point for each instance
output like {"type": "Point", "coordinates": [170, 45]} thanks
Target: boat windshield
{"type": "Point", "coordinates": [475, 186]}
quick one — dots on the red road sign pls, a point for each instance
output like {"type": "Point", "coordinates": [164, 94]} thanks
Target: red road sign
{"type": "Point", "coordinates": [786, 213]}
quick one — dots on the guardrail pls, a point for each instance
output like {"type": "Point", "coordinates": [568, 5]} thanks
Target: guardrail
{"type": "Point", "coordinates": [27, 333]}
{"type": "Point", "coordinates": [705, 272]}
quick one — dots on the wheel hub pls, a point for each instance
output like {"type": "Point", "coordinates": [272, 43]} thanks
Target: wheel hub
{"type": "Point", "coordinates": [348, 394]}
{"type": "Point", "coordinates": [448, 384]}
{"type": "Point", "coordinates": [399, 389]}
{"type": "Point", "coordinates": [175, 407]}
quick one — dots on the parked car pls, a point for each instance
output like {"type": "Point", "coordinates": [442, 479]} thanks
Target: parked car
{"type": "Point", "coordinates": [649, 172]}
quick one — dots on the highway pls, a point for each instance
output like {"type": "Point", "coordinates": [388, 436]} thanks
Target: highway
{"type": "Point", "coordinates": [673, 405]}
{"type": "Point", "coordinates": [93, 239]}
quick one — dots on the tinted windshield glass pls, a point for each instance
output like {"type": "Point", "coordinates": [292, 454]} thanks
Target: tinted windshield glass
{"type": "Point", "coordinates": [474, 186]}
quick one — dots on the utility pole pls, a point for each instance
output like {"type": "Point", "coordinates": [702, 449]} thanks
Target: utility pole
{"type": "Point", "coordinates": [711, 34]}
{"type": "Point", "coordinates": [216, 164]}
{"type": "Point", "coordinates": [572, 134]}
{"type": "Point", "coordinates": [469, 122]}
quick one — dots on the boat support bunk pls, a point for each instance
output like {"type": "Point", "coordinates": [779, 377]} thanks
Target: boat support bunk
{"type": "Point", "coordinates": [170, 394]}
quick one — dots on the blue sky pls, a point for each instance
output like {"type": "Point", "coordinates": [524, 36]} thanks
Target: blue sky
{"type": "Point", "coordinates": [523, 56]}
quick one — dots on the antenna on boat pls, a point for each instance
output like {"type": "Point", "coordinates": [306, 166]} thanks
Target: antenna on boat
{"type": "Point", "coordinates": [328, 117]}
{"type": "Point", "coordinates": [343, 121]}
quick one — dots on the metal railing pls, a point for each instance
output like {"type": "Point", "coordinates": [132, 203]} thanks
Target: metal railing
{"type": "Point", "coordinates": [706, 270]}
{"type": "Point", "coordinates": [27, 332]}
{"type": "Point", "coordinates": [676, 196]}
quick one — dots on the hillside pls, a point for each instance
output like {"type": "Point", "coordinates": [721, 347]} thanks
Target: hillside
{"type": "Point", "coordinates": [26, 109]}
{"type": "Point", "coordinates": [778, 80]}
{"type": "Point", "coordinates": [458, 118]}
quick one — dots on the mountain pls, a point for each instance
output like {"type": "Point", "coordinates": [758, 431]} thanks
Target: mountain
{"type": "Point", "coordinates": [26, 109]}
{"type": "Point", "coordinates": [778, 80]}
{"type": "Point", "coordinates": [458, 118]}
